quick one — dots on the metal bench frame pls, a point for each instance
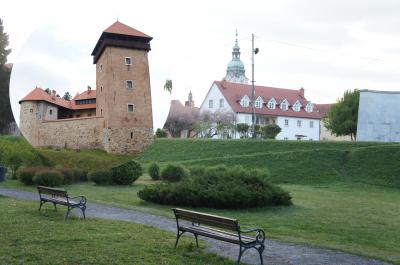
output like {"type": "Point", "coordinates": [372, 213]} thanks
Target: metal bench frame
{"type": "Point", "coordinates": [231, 230]}
{"type": "Point", "coordinates": [60, 197]}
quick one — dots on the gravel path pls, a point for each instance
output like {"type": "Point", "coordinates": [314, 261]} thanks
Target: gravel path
{"type": "Point", "coordinates": [275, 253]}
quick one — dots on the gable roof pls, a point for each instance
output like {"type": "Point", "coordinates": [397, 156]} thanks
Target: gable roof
{"type": "Point", "coordinates": [38, 94]}
{"type": "Point", "coordinates": [233, 92]}
{"type": "Point", "coordinates": [122, 29]}
{"type": "Point", "coordinates": [88, 94]}
{"type": "Point", "coordinates": [323, 109]}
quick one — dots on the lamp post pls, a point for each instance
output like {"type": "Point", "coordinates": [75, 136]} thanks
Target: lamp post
{"type": "Point", "coordinates": [253, 92]}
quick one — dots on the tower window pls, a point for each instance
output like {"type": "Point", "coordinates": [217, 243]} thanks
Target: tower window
{"type": "Point", "coordinates": [131, 108]}
{"type": "Point", "coordinates": [31, 110]}
{"type": "Point", "coordinates": [51, 112]}
{"type": "Point", "coordinates": [128, 60]}
{"type": "Point", "coordinates": [131, 135]}
{"type": "Point", "coordinates": [129, 84]}
{"type": "Point", "coordinates": [101, 89]}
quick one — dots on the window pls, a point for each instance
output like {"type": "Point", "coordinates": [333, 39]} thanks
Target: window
{"type": "Point", "coordinates": [31, 110]}
{"type": "Point", "coordinates": [258, 104]}
{"type": "Point", "coordinates": [210, 104]}
{"type": "Point", "coordinates": [286, 123]}
{"type": "Point", "coordinates": [298, 123]}
{"type": "Point", "coordinates": [128, 60]}
{"type": "Point", "coordinates": [221, 103]}
{"type": "Point", "coordinates": [247, 119]}
{"type": "Point", "coordinates": [309, 107]}
{"type": "Point", "coordinates": [285, 105]}
{"type": "Point", "coordinates": [129, 84]}
{"type": "Point", "coordinates": [311, 124]}
{"type": "Point", "coordinates": [101, 89]}
{"type": "Point", "coordinates": [131, 135]}
{"type": "Point", "coordinates": [272, 103]}
{"type": "Point", "coordinates": [296, 106]}
{"type": "Point", "coordinates": [130, 108]}
{"type": "Point", "coordinates": [101, 112]}
{"type": "Point", "coordinates": [51, 112]}
{"type": "Point", "coordinates": [285, 138]}
{"type": "Point", "coordinates": [101, 67]}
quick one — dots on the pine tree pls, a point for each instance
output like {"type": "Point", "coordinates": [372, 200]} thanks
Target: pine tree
{"type": "Point", "coordinates": [4, 52]}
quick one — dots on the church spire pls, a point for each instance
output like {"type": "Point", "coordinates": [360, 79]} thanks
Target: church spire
{"type": "Point", "coordinates": [235, 72]}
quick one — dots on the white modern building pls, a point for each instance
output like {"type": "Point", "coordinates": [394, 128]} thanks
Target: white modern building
{"type": "Point", "coordinates": [379, 116]}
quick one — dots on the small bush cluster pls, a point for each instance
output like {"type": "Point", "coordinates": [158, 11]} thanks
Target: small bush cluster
{"type": "Point", "coordinates": [124, 174]}
{"type": "Point", "coordinates": [218, 187]}
{"type": "Point", "coordinates": [69, 176]}
{"type": "Point", "coordinates": [100, 177]}
{"type": "Point", "coordinates": [49, 178]}
{"type": "Point", "coordinates": [173, 173]}
{"type": "Point", "coordinates": [154, 171]}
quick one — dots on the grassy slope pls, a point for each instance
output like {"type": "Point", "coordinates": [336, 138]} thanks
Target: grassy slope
{"type": "Point", "coordinates": [31, 237]}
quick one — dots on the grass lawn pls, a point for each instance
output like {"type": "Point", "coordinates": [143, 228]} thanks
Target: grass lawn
{"type": "Point", "coordinates": [360, 219]}
{"type": "Point", "coordinates": [31, 237]}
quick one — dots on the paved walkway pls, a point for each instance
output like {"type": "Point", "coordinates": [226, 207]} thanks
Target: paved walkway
{"type": "Point", "coordinates": [275, 253]}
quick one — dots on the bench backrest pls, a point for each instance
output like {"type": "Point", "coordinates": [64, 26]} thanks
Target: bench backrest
{"type": "Point", "coordinates": [52, 191]}
{"type": "Point", "coordinates": [207, 219]}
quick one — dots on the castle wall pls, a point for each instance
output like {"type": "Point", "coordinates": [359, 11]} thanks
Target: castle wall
{"type": "Point", "coordinates": [127, 140]}
{"type": "Point", "coordinates": [82, 133]}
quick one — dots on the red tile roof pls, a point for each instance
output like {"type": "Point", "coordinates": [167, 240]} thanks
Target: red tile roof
{"type": "Point", "coordinates": [38, 94]}
{"type": "Point", "coordinates": [234, 92]}
{"type": "Point", "coordinates": [323, 109]}
{"type": "Point", "coordinates": [88, 94]}
{"type": "Point", "coordinates": [120, 28]}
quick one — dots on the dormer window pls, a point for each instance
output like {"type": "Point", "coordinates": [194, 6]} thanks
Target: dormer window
{"type": "Point", "coordinates": [284, 105]}
{"type": "Point", "coordinates": [258, 103]}
{"type": "Point", "coordinates": [296, 106]}
{"type": "Point", "coordinates": [309, 107]}
{"type": "Point", "coordinates": [245, 101]}
{"type": "Point", "coordinates": [128, 60]}
{"type": "Point", "coordinates": [272, 103]}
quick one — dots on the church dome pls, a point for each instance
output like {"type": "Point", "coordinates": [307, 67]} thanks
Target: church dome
{"type": "Point", "coordinates": [235, 72]}
{"type": "Point", "coordinates": [235, 65]}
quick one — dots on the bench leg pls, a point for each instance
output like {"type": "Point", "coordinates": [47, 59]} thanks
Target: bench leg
{"type": "Point", "coordinates": [260, 251]}
{"type": "Point", "coordinates": [55, 207]}
{"type": "Point", "coordinates": [67, 214]}
{"type": "Point", "coordinates": [178, 235]}
{"type": "Point", "coordinates": [240, 254]}
{"type": "Point", "coordinates": [197, 241]}
{"type": "Point", "coordinates": [41, 203]}
{"type": "Point", "coordinates": [83, 212]}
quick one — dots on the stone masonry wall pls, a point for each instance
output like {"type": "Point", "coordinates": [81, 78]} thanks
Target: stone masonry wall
{"type": "Point", "coordinates": [127, 140]}
{"type": "Point", "coordinates": [82, 133]}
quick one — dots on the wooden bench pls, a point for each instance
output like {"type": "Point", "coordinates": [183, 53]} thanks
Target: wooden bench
{"type": "Point", "coordinates": [220, 228]}
{"type": "Point", "coordinates": [60, 196]}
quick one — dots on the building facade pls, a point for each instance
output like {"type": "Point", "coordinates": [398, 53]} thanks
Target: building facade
{"type": "Point", "coordinates": [378, 116]}
{"type": "Point", "coordinates": [116, 117]}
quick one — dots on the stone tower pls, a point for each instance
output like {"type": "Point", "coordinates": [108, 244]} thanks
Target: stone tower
{"type": "Point", "coordinates": [235, 72]}
{"type": "Point", "coordinates": [123, 89]}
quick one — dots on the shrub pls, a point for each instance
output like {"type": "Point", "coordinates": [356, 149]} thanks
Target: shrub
{"type": "Point", "coordinates": [270, 131]}
{"type": "Point", "coordinates": [154, 171]}
{"type": "Point", "coordinates": [26, 175]}
{"type": "Point", "coordinates": [69, 176]}
{"type": "Point", "coordinates": [219, 187]}
{"type": "Point", "coordinates": [126, 173]}
{"type": "Point", "coordinates": [80, 174]}
{"type": "Point", "coordinates": [173, 173]}
{"type": "Point", "coordinates": [48, 177]}
{"type": "Point", "coordinates": [100, 177]}
{"type": "Point", "coordinates": [161, 133]}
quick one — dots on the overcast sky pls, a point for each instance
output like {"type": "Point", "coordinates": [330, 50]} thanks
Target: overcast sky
{"type": "Point", "coordinates": [325, 46]}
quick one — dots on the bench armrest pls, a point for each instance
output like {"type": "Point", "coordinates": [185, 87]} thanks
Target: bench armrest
{"type": "Point", "coordinates": [82, 199]}
{"type": "Point", "coordinates": [260, 236]}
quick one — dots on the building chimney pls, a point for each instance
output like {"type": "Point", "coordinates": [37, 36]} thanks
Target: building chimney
{"type": "Point", "coordinates": [301, 92]}
{"type": "Point", "coordinates": [89, 89]}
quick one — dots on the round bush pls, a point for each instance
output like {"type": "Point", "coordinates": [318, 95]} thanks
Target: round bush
{"type": "Point", "coordinates": [127, 173]}
{"type": "Point", "coordinates": [80, 174]}
{"type": "Point", "coordinates": [219, 187]}
{"type": "Point", "coordinates": [69, 176]}
{"type": "Point", "coordinates": [26, 175]}
{"type": "Point", "coordinates": [100, 177]}
{"type": "Point", "coordinates": [154, 171]}
{"type": "Point", "coordinates": [49, 177]}
{"type": "Point", "coordinates": [174, 173]}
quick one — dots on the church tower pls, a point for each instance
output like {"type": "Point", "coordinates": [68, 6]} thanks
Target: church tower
{"type": "Point", "coordinates": [123, 89]}
{"type": "Point", "coordinates": [235, 72]}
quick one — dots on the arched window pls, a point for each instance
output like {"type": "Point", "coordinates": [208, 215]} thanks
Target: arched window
{"type": "Point", "coordinates": [309, 107]}
{"type": "Point", "coordinates": [284, 105]}
{"type": "Point", "coordinates": [296, 106]}
{"type": "Point", "coordinates": [258, 103]}
{"type": "Point", "coordinates": [272, 103]}
{"type": "Point", "coordinates": [245, 101]}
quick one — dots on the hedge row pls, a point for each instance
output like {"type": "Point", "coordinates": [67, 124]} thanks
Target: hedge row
{"type": "Point", "coordinates": [50, 177]}
{"type": "Point", "coordinates": [124, 174]}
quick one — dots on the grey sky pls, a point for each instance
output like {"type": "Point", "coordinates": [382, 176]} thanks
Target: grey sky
{"type": "Point", "coordinates": [325, 46]}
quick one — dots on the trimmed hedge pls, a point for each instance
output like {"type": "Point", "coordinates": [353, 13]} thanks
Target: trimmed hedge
{"type": "Point", "coordinates": [26, 175]}
{"type": "Point", "coordinates": [154, 171]}
{"type": "Point", "coordinates": [48, 177]}
{"type": "Point", "coordinates": [173, 173]}
{"type": "Point", "coordinates": [219, 187]}
{"type": "Point", "coordinates": [126, 173]}
{"type": "Point", "coordinates": [100, 177]}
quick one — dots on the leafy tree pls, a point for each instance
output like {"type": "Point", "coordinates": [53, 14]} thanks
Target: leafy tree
{"type": "Point", "coordinates": [160, 133]}
{"type": "Point", "coordinates": [210, 124]}
{"type": "Point", "coordinates": [180, 118]}
{"type": "Point", "coordinates": [4, 52]}
{"type": "Point", "coordinates": [342, 118]}
{"type": "Point", "coordinates": [6, 116]}
{"type": "Point", "coordinates": [67, 96]}
{"type": "Point", "coordinates": [270, 131]}
{"type": "Point", "coordinates": [242, 129]}
{"type": "Point", "coordinates": [168, 85]}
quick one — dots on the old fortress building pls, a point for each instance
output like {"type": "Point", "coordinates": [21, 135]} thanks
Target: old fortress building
{"type": "Point", "coordinates": [116, 116]}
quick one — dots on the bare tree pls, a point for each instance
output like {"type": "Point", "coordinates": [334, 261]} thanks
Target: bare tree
{"type": "Point", "coordinates": [181, 118]}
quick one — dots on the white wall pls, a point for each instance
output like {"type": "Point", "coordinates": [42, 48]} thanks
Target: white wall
{"type": "Point", "coordinates": [292, 129]}
{"type": "Point", "coordinates": [379, 116]}
{"type": "Point", "coordinates": [215, 94]}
